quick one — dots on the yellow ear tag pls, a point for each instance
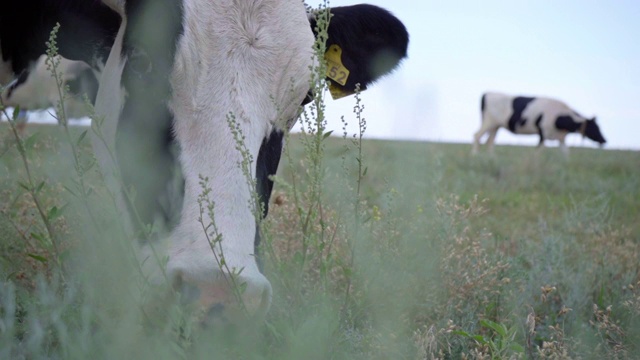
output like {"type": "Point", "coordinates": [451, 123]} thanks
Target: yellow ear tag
{"type": "Point", "coordinates": [335, 70]}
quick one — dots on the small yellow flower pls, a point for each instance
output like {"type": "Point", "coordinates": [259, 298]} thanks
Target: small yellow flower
{"type": "Point", "coordinates": [377, 214]}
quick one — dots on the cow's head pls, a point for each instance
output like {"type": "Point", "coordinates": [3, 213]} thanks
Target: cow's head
{"type": "Point", "coordinates": [592, 131]}
{"type": "Point", "coordinates": [191, 72]}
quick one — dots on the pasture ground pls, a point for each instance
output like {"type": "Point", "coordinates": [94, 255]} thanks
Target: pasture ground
{"type": "Point", "coordinates": [431, 254]}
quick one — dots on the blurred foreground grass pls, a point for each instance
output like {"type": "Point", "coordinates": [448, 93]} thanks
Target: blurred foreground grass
{"type": "Point", "coordinates": [520, 255]}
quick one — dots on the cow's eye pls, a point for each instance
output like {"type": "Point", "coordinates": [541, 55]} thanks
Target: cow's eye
{"type": "Point", "coordinates": [139, 62]}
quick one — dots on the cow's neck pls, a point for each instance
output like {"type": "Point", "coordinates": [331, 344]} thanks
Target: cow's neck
{"type": "Point", "coordinates": [257, 55]}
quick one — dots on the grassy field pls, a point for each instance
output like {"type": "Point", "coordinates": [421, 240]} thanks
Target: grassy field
{"type": "Point", "coordinates": [376, 250]}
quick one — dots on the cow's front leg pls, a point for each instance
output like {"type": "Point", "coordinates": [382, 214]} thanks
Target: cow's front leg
{"type": "Point", "coordinates": [563, 146]}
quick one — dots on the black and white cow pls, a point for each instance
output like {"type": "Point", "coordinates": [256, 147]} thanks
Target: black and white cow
{"type": "Point", "coordinates": [173, 73]}
{"type": "Point", "coordinates": [549, 118]}
{"type": "Point", "coordinates": [37, 89]}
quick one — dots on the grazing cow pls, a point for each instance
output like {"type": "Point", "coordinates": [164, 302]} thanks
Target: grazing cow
{"type": "Point", "coordinates": [37, 89]}
{"type": "Point", "coordinates": [549, 118]}
{"type": "Point", "coordinates": [174, 74]}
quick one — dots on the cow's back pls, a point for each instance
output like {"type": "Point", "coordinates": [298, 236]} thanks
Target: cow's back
{"type": "Point", "coordinates": [548, 111]}
{"type": "Point", "coordinates": [546, 105]}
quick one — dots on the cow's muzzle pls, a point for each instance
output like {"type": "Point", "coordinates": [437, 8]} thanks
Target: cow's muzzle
{"type": "Point", "coordinates": [224, 297]}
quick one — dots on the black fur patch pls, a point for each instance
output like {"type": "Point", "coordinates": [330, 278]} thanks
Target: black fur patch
{"type": "Point", "coordinates": [538, 122]}
{"type": "Point", "coordinates": [483, 102]}
{"type": "Point", "coordinates": [145, 144]}
{"type": "Point", "coordinates": [567, 123]}
{"type": "Point", "coordinates": [308, 98]}
{"type": "Point", "coordinates": [592, 131]}
{"type": "Point", "coordinates": [590, 127]}
{"type": "Point", "coordinates": [519, 104]}
{"type": "Point", "coordinates": [373, 42]}
{"type": "Point", "coordinates": [87, 30]}
{"type": "Point", "coordinates": [267, 165]}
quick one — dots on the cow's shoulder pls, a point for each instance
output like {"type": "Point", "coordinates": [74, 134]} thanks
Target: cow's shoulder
{"type": "Point", "coordinates": [549, 106]}
{"type": "Point", "coordinates": [567, 123]}
{"type": "Point", "coordinates": [521, 102]}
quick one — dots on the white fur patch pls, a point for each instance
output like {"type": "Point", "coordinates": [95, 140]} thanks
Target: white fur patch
{"type": "Point", "coordinates": [247, 58]}
{"type": "Point", "coordinates": [250, 59]}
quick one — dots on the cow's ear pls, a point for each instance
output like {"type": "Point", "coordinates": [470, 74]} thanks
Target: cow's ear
{"type": "Point", "coordinates": [364, 43]}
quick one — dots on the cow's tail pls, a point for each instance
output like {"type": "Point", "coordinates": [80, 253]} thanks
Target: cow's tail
{"type": "Point", "coordinates": [483, 104]}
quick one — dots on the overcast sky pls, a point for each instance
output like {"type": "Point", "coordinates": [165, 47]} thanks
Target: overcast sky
{"type": "Point", "coordinates": [584, 52]}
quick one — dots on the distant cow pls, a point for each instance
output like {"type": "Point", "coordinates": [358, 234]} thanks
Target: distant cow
{"type": "Point", "coordinates": [175, 73]}
{"type": "Point", "coordinates": [37, 89]}
{"type": "Point", "coordinates": [550, 119]}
